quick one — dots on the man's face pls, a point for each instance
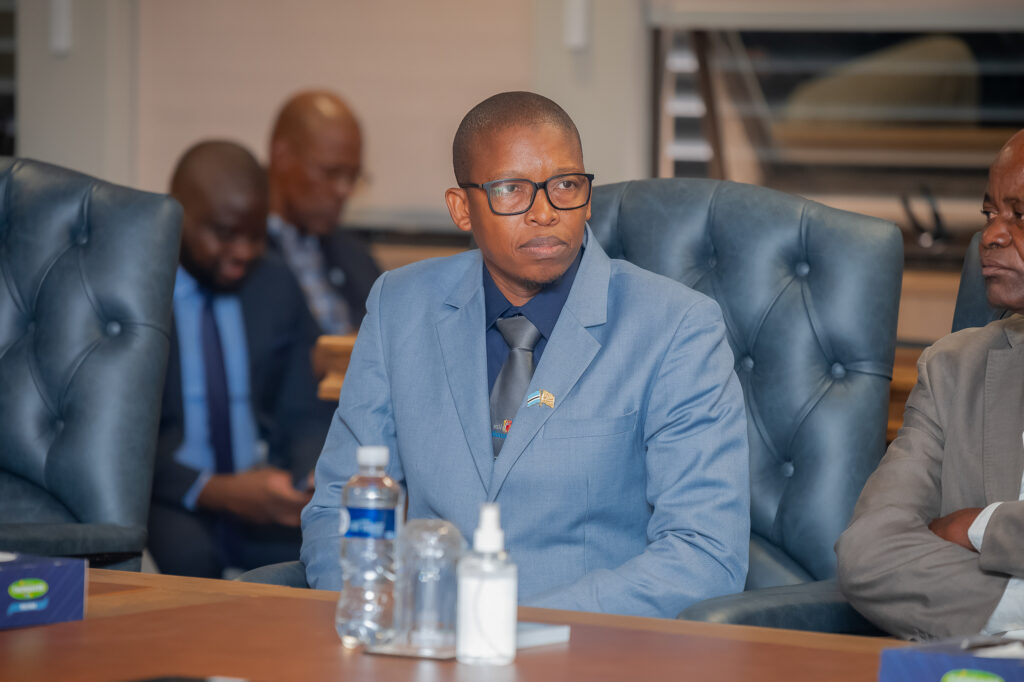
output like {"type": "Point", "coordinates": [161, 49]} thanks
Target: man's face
{"type": "Point", "coordinates": [522, 252]}
{"type": "Point", "coordinates": [222, 235]}
{"type": "Point", "coordinates": [316, 172]}
{"type": "Point", "coordinates": [1002, 241]}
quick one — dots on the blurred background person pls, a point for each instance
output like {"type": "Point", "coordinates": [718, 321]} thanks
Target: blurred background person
{"type": "Point", "coordinates": [240, 426]}
{"type": "Point", "coordinates": [315, 162]}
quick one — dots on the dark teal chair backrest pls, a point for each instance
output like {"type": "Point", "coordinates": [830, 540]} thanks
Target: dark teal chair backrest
{"type": "Point", "coordinates": [86, 278]}
{"type": "Point", "coordinates": [810, 296]}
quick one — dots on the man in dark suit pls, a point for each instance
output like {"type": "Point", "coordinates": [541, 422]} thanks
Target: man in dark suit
{"type": "Point", "coordinates": [241, 426]}
{"type": "Point", "coordinates": [315, 162]}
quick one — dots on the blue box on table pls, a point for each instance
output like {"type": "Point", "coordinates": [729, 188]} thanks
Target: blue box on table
{"type": "Point", "coordinates": [37, 590]}
{"type": "Point", "coordinates": [970, 659]}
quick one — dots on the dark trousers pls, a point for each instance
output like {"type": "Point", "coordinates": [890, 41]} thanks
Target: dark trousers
{"type": "Point", "coordinates": [192, 543]}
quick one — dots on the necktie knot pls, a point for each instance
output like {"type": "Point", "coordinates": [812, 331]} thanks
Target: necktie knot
{"type": "Point", "coordinates": [518, 332]}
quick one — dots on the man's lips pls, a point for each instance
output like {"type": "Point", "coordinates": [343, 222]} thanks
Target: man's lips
{"type": "Point", "coordinates": [543, 246]}
{"type": "Point", "coordinates": [992, 268]}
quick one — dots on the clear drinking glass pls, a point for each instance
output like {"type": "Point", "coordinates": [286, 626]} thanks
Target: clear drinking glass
{"type": "Point", "coordinates": [425, 588]}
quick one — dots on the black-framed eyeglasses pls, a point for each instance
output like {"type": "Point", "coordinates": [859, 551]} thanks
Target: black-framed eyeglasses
{"type": "Point", "coordinates": [512, 196]}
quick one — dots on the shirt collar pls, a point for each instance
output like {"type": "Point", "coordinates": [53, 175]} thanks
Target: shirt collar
{"type": "Point", "coordinates": [185, 285]}
{"type": "Point", "coordinates": [276, 225]}
{"type": "Point", "coordinates": [542, 310]}
{"type": "Point", "coordinates": [284, 233]}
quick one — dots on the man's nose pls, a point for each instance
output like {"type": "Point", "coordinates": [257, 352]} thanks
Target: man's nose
{"type": "Point", "coordinates": [542, 212]}
{"type": "Point", "coordinates": [996, 234]}
{"type": "Point", "coordinates": [342, 186]}
{"type": "Point", "coordinates": [246, 250]}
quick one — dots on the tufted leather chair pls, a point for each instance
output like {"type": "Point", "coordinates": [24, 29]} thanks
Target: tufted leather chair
{"type": "Point", "coordinates": [810, 297]}
{"type": "Point", "coordinates": [86, 277]}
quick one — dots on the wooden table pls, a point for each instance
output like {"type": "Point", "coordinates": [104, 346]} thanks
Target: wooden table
{"type": "Point", "coordinates": [140, 626]}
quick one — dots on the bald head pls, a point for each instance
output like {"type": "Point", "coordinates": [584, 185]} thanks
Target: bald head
{"type": "Point", "coordinates": [315, 160]}
{"type": "Point", "coordinates": [223, 191]}
{"type": "Point", "coordinates": [1002, 241]}
{"type": "Point", "coordinates": [305, 113]}
{"type": "Point", "coordinates": [214, 166]}
{"type": "Point", "coordinates": [500, 112]}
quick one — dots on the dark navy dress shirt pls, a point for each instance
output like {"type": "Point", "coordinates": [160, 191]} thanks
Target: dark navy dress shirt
{"type": "Point", "coordinates": [542, 310]}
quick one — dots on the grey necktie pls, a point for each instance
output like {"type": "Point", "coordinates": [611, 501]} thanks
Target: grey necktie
{"type": "Point", "coordinates": [514, 377]}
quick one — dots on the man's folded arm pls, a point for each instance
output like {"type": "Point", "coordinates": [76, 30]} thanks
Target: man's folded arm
{"type": "Point", "coordinates": [892, 568]}
{"type": "Point", "coordinates": [698, 486]}
{"type": "Point", "coordinates": [363, 417]}
{"type": "Point", "coordinates": [1002, 549]}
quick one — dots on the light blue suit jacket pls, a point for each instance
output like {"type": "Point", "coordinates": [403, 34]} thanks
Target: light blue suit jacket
{"type": "Point", "coordinates": [630, 496]}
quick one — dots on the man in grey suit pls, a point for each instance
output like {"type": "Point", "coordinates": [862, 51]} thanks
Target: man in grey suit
{"type": "Point", "coordinates": [936, 544]}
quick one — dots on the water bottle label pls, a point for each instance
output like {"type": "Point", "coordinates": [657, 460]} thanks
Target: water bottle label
{"type": "Point", "coordinates": [370, 523]}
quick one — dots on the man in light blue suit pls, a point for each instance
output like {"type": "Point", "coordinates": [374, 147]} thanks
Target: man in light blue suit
{"type": "Point", "coordinates": [621, 468]}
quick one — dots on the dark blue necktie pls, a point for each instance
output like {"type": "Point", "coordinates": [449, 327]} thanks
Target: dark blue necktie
{"type": "Point", "coordinates": [217, 397]}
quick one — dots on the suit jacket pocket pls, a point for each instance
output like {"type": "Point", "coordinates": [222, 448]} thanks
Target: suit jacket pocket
{"type": "Point", "coordinates": [590, 427]}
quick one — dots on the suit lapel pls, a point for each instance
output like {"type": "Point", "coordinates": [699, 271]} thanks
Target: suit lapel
{"type": "Point", "coordinates": [460, 331]}
{"type": "Point", "coordinates": [252, 315]}
{"type": "Point", "coordinates": [568, 354]}
{"type": "Point", "coordinates": [1004, 416]}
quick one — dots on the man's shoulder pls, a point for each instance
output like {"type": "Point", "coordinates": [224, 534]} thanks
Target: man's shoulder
{"type": "Point", "coordinates": [269, 282]}
{"type": "Point", "coordinates": [344, 241]}
{"type": "Point", "coordinates": [975, 341]}
{"type": "Point", "coordinates": [632, 282]}
{"type": "Point", "coordinates": [431, 277]}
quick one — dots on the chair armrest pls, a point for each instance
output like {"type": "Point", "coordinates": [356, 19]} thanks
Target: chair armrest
{"type": "Point", "coordinates": [105, 545]}
{"type": "Point", "coordinates": [287, 573]}
{"type": "Point", "coordinates": [816, 606]}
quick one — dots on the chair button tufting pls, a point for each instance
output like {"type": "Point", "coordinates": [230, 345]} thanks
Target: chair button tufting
{"type": "Point", "coordinates": [802, 269]}
{"type": "Point", "coordinates": [82, 239]}
{"type": "Point", "coordinates": [787, 469]}
{"type": "Point", "coordinates": [838, 371]}
{"type": "Point", "coordinates": [113, 328]}
{"type": "Point", "coordinates": [59, 425]}
{"type": "Point", "coordinates": [712, 262]}
{"type": "Point", "coordinates": [747, 363]}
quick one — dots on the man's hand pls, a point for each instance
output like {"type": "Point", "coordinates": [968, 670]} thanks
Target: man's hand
{"type": "Point", "coordinates": [261, 496]}
{"type": "Point", "coordinates": [953, 527]}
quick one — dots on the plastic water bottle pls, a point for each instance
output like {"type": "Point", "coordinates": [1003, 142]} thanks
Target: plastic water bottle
{"type": "Point", "coordinates": [372, 504]}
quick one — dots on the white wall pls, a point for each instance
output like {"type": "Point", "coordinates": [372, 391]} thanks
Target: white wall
{"type": "Point", "coordinates": [147, 78]}
{"type": "Point", "coordinates": [79, 110]}
{"type": "Point", "coordinates": [606, 87]}
{"type": "Point", "coordinates": [409, 69]}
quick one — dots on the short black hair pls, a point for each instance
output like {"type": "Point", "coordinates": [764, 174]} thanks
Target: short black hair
{"type": "Point", "coordinates": [501, 111]}
{"type": "Point", "coordinates": [222, 157]}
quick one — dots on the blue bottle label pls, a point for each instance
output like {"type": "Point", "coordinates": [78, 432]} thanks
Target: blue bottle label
{"type": "Point", "coordinates": [371, 523]}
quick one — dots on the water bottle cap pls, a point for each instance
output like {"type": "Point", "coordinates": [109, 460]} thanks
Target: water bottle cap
{"type": "Point", "coordinates": [488, 536]}
{"type": "Point", "coordinates": [372, 455]}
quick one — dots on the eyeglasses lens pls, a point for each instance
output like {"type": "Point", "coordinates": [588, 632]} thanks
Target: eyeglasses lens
{"type": "Point", "coordinates": [564, 192]}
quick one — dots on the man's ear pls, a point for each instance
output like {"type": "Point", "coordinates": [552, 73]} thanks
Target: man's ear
{"type": "Point", "coordinates": [458, 207]}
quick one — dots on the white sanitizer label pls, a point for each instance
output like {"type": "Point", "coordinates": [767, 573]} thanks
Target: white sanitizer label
{"type": "Point", "coordinates": [486, 617]}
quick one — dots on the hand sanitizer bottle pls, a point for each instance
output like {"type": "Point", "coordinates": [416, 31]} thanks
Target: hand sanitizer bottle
{"type": "Point", "coordinates": [486, 620]}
